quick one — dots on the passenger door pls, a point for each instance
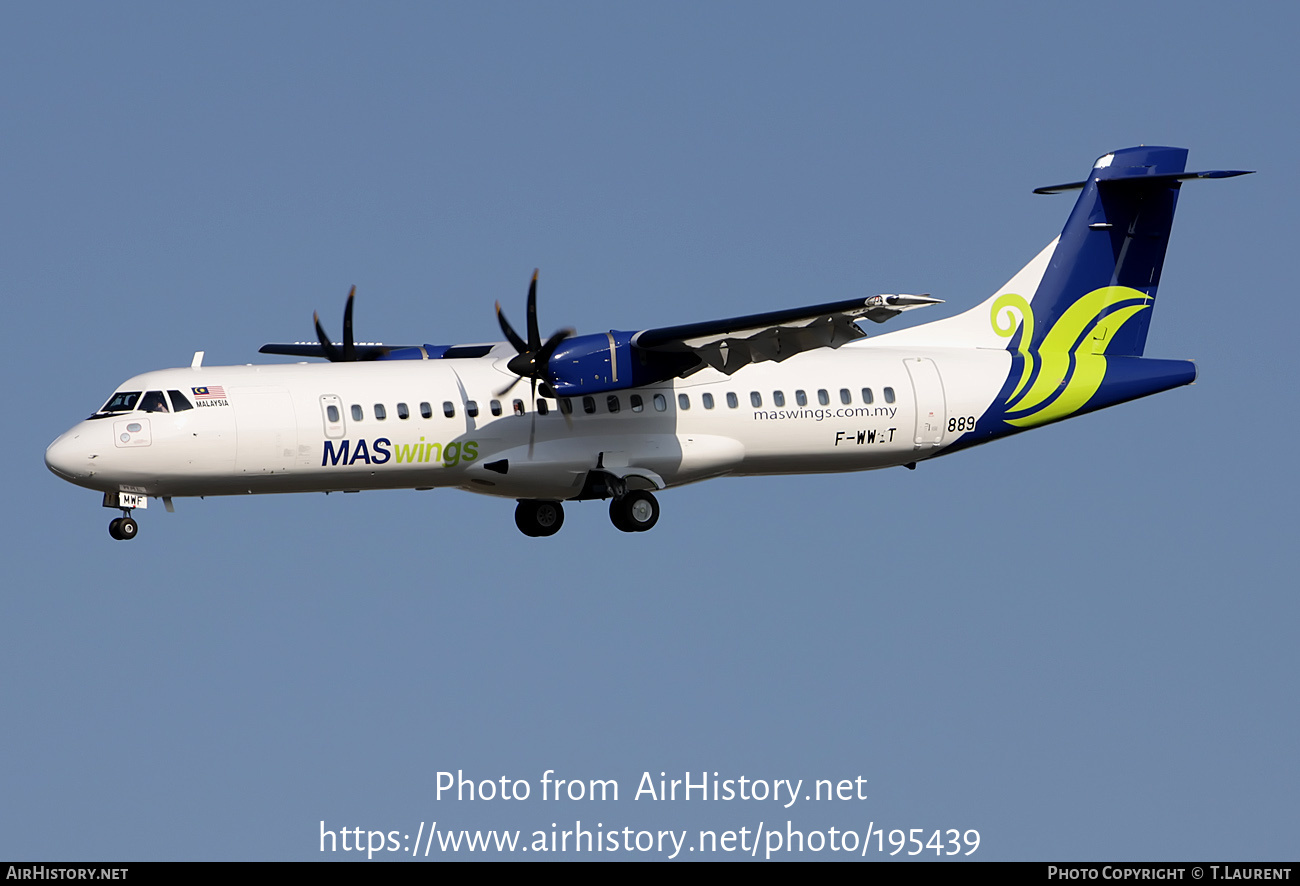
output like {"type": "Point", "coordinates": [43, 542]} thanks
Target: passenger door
{"type": "Point", "coordinates": [931, 410]}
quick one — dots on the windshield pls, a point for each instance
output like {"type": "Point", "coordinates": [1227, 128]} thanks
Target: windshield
{"type": "Point", "coordinates": [122, 401]}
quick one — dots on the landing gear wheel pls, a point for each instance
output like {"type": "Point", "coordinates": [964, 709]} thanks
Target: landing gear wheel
{"type": "Point", "coordinates": [539, 519]}
{"type": "Point", "coordinates": [634, 512]}
{"type": "Point", "coordinates": [123, 528]}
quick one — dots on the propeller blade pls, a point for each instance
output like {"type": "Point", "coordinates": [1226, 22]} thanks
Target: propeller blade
{"type": "Point", "coordinates": [327, 346]}
{"type": "Point", "coordinates": [349, 346]}
{"type": "Point", "coordinates": [549, 392]}
{"type": "Point", "coordinates": [545, 353]}
{"type": "Point", "coordinates": [532, 428]}
{"type": "Point", "coordinates": [532, 359]}
{"type": "Point", "coordinates": [513, 337]}
{"type": "Point", "coordinates": [534, 336]}
{"type": "Point", "coordinates": [507, 388]}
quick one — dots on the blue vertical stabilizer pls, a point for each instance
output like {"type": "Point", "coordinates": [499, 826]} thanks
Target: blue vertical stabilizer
{"type": "Point", "coordinates": [1115, 241]}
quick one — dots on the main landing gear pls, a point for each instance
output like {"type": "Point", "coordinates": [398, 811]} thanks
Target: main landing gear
{"type": "Point", "coordinates": [631, 512]}
{"type": "Point", "coordinates": [123, 528]}
{"type": "Point", "coordinates": [538, 519]}
{"type": "Point", "coordinates": [634, 512]}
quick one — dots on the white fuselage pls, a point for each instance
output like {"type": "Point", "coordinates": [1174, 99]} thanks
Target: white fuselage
{"type": "Point", "coordinates": [318, 427]}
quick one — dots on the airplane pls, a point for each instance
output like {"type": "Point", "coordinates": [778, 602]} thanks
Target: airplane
{"type": "Point", "coordinates": [621, 416]}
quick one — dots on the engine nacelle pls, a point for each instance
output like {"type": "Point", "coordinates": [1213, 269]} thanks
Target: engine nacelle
{"type": "Point", "coordinates": [608, 361]}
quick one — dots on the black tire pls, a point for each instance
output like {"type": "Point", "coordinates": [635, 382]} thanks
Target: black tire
{"type": "Point", "coordinates": [127, 529]}
{"type": "Point", "coordinates": [617, 517]}
{"type": "Point", "coordinates": [539, 519]}
{"type": "Point", "coordinates": [113, 528]}
{"type": "Point", "coordinates": [634, 512]}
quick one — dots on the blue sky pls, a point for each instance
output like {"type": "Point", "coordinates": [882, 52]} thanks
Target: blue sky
{"type": "Point", "coordinates": [1078, 642]}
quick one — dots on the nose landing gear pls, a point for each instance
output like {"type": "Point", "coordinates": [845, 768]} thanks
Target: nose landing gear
{"type": "Point", "coordinates": [124, 528]}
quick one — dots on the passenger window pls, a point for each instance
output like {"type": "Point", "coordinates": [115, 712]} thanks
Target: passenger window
{"type": "Point", "coordinates": [661, 404]}
{"type": "Point", "coordinates": [732, 400]}
{"type": "Point", "coordinates": [426, 410]}
{"type": "Point", "coordinates": [179, 402]}
{"type": "Point", "coordinates": [518, 406]}
{"type": "Point", "coordinates": [380, 412]}
{"type": "Point", "coordinates": [866, 396]}
{"type": "Point", "coordinates": [402, 411]}
{"type": "Point", "coordinates": [448, 409]}
{"type": "Point", "coordinates": [637, 403]}
{"type": "Point", "coordinates": [801, 398]}
{"type": "Point", "coordinates": [755, 399]}
{"type": "Point", "coordinates": [683, 402]}
{"type": "Point", "coordinates": [495, 406]}
{"type": "Point", "coordinates": [611, 403]}
{"type": "Point", "coordinates": [823, 398]}
{"type": "Point", "coordinates": [707, 400]}
{"type": "Point", "coordinates": [542, 408]}
{"type": "Point", "coordinates": [889, 395]}
{"type": "Point", "coordinates": [778, 398]}
{"type": "Point", "coordinates": [471, 408]}
{"type": "Point", "coordinates": [589, 405]}
{"type": "Point", "coordinates": [332, 413]}
{"type": "Point", "coordinates": [566, 406]}
{"type": "Point", "coordinates": [154, 401]}
{"type": "Point", "coordinates": [357, 414]}
{"type": "Point", "coordinates": [845, 396]}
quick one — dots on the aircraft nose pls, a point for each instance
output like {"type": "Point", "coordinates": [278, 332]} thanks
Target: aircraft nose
{"type": "Point", "coordinates": [71, 456]}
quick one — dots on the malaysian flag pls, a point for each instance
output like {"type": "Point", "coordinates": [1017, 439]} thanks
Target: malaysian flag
{"type": "Point", "coordinates": [211, 392]}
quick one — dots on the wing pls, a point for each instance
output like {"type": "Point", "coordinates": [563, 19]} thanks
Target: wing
{"type": "Point", "coordinates": [364, 351]}
{"type": "Point", "coordinates": [727, 345]}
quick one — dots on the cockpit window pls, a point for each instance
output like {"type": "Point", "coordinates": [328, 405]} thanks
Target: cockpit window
{"type": "Point", "coordinates": [122, 401]}
{"type": "Point", "coordinates": [179, 401]}
{"type": "Point", "coordinates": [154, 401]}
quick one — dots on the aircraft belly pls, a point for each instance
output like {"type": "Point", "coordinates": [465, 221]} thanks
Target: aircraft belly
{"type": "Point", "coordinates": [557, 468]}
{"type": "Point", "coordinates": [703, 455]}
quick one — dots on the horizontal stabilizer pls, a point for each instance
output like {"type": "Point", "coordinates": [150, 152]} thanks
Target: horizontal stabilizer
{"type": "Point", "coordinates": [1132, 174]}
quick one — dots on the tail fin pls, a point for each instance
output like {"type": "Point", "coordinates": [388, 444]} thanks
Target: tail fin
{"type": "Point", "coordinates": [1093, 287]}
{"type": "Point", "coordinates": [1112, 249]}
